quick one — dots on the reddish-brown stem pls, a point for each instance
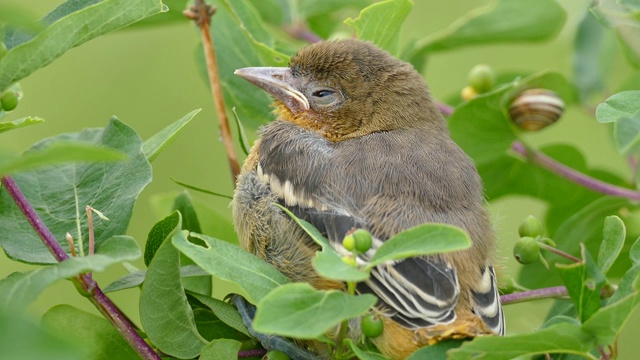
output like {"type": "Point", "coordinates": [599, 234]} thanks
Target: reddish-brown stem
{"type": "Point", "coordinates": [111, 312]}
{"type": "Point", "coordinates": [568, 173]}
{"type": "Point", "coordinates": [545, 293]}
{"type": "Point", "coordinates": [558, 252]}
{"type": "Point", "coordinates": [201, 14]}
{"type": "Point", "coordinates": [242, 354]}
{"type": "Point", "coordinates": [299, 31]}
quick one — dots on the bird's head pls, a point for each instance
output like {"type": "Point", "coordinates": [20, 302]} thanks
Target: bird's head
{"type": "Point", "coordinates": [345, 89]}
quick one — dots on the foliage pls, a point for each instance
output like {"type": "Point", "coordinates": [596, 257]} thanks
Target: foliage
{"type": "Point", "coordinates": [107, 168]}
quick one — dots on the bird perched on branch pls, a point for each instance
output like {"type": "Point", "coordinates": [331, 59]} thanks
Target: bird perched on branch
{"type": "Point", "coordinates": [359, 143]}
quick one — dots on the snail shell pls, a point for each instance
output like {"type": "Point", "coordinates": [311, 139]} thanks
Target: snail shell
{"type": "Point", "coordinates": [535, 109]}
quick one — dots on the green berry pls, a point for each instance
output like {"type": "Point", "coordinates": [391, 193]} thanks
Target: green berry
{"type": "Point", "coordinates": [481, 78]}
{"type": "Point", "coordinates": [526, 250]}
{"type": "Point", "coordinates": [349, 242]}
{"type": "Point", "coordinates": [275, 355]}
{"type": "Point", "coordinates": [9, 100]}
{"type": "Point", "coordinates": [530, 227]}
{"type": "Point", "coordinates": [371, 325]}
{"type": "Point", "coordinates": [363, 240]}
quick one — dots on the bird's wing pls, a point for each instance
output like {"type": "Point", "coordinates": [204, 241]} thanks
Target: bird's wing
{"type": "Point", "coordinates": [415, 292]}
{"type": "Point", "coordinates": [486, 302]}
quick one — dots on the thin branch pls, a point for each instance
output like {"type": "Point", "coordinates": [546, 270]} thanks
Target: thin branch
{"type": "Point", "coordinates": [30, 213]}
{"type": "Point", "coordinates": [558, 252]}
{"type": "Point", "coordinates": [577, 177]}
{"type": "Point", "coordinates": [445, 109]}
{"type": "Point", "coordinates": [545, 293]}
{"type": "Point", "coordinates": [242, 354]}
{"type": "Point", "coordinates": [124, 326]}
{"type": "Point", "coordinates": [201, 14]}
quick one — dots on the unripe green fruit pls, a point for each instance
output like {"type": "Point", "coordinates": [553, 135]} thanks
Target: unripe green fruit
{"type": "Point", "coordinates": [530, 227]}
{"type": "Point", "coordinates": [526, 250]}
{"type": "Point", "coordinates": [363, 240]}
{"type": "Point", "coordinates": [371, 325]}
{"type": "Point", "coordinates": [275, 355]}
{"type": "Point", "coordinates": [349, 242]}
{"type": "Point", "coordinates": [481, 78]}
{"type": "Point", "coordinates": [8, 100]}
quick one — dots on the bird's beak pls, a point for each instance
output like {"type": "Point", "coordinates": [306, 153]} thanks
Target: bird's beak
{"type": "Point", "coordinates": [279, 83]}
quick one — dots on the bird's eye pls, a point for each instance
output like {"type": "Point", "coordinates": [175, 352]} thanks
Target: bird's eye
{"type": "Point", "coordinates": [323, 93]}
{"type": "Point", "coordinates": [324, 97]}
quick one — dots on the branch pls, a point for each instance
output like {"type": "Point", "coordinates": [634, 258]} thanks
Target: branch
{"type": "Point", "coordinates": [299, 31]}
{"type": "Point", "coordinates": [201, 14]}
{"type": "Point", "coordinates": [85, 282]}
{"type": "Point", "coordinates": [545, 293]}
{"type": "Point", "coordinates": [562, 170]}
{"type": "Point", "coordinates": [577, 177]}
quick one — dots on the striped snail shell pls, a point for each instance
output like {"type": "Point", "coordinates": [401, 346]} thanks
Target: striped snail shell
{"type": "Point", "coordinates": [535, 109]}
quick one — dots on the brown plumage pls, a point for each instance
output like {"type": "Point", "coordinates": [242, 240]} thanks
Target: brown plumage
{"type": "Point", "coordinates": [359, 143]}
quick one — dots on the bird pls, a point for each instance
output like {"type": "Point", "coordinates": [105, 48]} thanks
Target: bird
{"type": "Point", "coordinates": [359, 143]}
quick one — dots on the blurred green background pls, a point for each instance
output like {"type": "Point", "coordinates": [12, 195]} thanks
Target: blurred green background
{"type": "Point", "coordinates": [148, 78]}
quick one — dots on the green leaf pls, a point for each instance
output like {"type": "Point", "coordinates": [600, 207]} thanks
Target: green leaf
{"type": "Point", "coordinates": [24, 340]}
{"type": "Point", "coordinates": [20, 289]}
{"type": "Point", "coordinates": [363, 354]}
{"type": "Point", "coordinates": [426, 239]}
{"type": "Point", "coordinates": [437, 351]}
{"type": "Point", "coordinates": [20, 123]}
{"type": "Point", "coordinates": [199, 189]}
{"type": "Point", "coordinates": [60, 192]}
{"type": "Point", "coordinates": [232, 263]}
{"type": "Point", "coordinates": [591, 58]}
{"type": "Point", "coordinates": [315, 235]}
{"type": "Point", "coordinates": [298, 310]}
{"type": "Point", "coordinates": [214, 216]}
{"type": "Point", "coordinates": [560, 338]}
{"type": "Point", "coordinates": [71, 31]}
{"type": "Point", "coordinates": [155, 144]}
{"type": "Point", "coordinates": [584, 284]}
{"type": "Point", "coordinates": [190, 222]}
{"type": "Point", "coordinates": [224, 311]}
{"type": "Point", "coordinates": [136, 278]}
{"type": "Point", "coordinates": [60, 152]}
{"type": "Point", "coordinates": [503, 21]}
{"type": "Point", "coordinates": [158, 233]}
{"type": "Point", "coordinates": [626, 132]}
{"type": "Point", "coordinates": [222, 349]}
{"type": "Point", "coordinates": [634, 252]}
{"type": "Point", "coordinates": [623, 109]}
{"type": "Point", "coordinates": [329, 265]}
{"type": "Point", "coordinates": [607, 323]}
{"type": "Point", "coordinates": [165, 313]}
{"type": "Point", "coordinates": [242, 136]}
{"type": "Point", "coordinates": [612, 242]}
{"type": "Point", "coordinates": [238, 30]}
{"type": "Point", "coordinates": [380, 23]}
{"type": "Point", "coordinates": [308, 8]}
{"type": "Point", "coordinates": [622, 17]}
{"type": "Point", "coordinates": [93, 331]}
{"type": "Point", "coordinates": [619, 106]}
